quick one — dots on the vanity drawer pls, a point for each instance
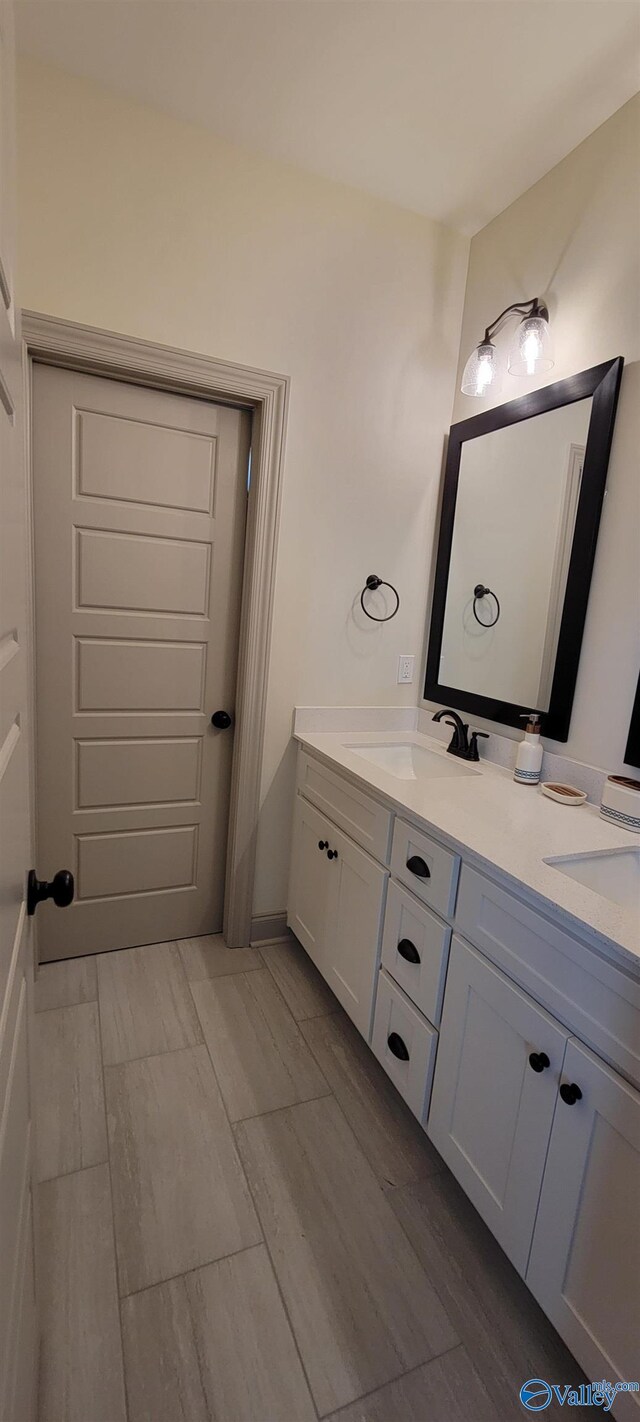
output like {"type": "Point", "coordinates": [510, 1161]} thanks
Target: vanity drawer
{"type": "Point", "coordinates": [405, 1045]}
{"type": "Point", "coordinates": [367, 822]}
{"type": "Point", "coordinates": [592, 996]}
{"type": "Point", "coordinates": [433, 874]}
{"type": "Point", "coordinates": [415, 949]}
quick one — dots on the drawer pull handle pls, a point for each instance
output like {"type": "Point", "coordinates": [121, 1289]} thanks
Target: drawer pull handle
{"type": "Point", "coordinates": [539, 1061]}
{"type": "Point", "coordinates": [416, 865]}
{"type": "Point", "coordinates": [397, 1046]}
{"type": "Point", "coordinates": [570, 1093]}
{"type": "Point", "coordinates": [323, 844]}
{"type": "Point", "coordinates": [408, 951]}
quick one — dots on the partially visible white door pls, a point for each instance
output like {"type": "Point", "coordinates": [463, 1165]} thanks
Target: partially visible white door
{"type": "Point", "coordinates": [354, 927]}
{"type": "Point", "coordinates": [585, 1260]}
{"type": "Point", "coordinates": [494, 1093]}
{"type": "Point", "coordinates": [17, 1305]}
{"type": "Point", "coordinates": [140, 504]}
{"type": "Point", "coordinates": [310, 886]}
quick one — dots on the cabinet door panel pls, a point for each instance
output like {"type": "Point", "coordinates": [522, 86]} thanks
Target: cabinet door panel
{"type": "Point", "coordinates": [585, 1259]}
{"type": "Point", "coordinates": [354, 929]}
{"type": "Point", "coordinates": [491, 1113]}
{"type": "Point", "coordinates": [311, 882]}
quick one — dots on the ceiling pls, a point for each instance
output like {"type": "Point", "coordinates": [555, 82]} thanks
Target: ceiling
{"type": "Point", "coordinates": [449, 107]}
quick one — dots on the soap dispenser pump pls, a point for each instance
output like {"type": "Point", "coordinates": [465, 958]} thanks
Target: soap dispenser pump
{"type": "Point", "coordinates": [529, 757]}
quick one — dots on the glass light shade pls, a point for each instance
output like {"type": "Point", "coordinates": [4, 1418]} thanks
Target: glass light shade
{"type": "Point", "coordinates": [481, 373]}
{"type": "Point", "coordinates": [532, 349]}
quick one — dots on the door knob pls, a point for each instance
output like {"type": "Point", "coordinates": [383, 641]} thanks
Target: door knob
{"type": "Point", "coordinates": [539, 1061]}
{"type": "Point", "coordinates": [221, 720]}
{"type": "Point", "coordinates": [323, 844]}
{"type": "Point", "coordinates": [570, 1093]}
{"type": "Point", "coordinates": [61, 889]}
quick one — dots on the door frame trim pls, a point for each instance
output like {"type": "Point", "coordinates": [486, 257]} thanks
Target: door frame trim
{"type": "Point", "coordinates": [93, 351]}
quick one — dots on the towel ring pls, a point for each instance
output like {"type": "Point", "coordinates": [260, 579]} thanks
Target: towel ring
{"type": "Point", "coordinates": [373, 582]}
{"type": "Point", "coordinates": [481, 591]}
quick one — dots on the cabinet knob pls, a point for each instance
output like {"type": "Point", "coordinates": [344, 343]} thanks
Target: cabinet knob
{"type": "Point", "coordinates": [416, 865]}
{"type": "Point", "coordinates": [61, 889]}
{"type": "Point", "coordinates": [408, 951]}
{"type": "Point", "coordinates": [398, 1047]}
{"type": "Point", "coordinates": [332, 854]}
{"type": "Point", "coordinates": [323, 844]}
{"type": "Point", "coordinates": [539, 1061]}
{"type": "Point", "coordinates": [570, 1093]}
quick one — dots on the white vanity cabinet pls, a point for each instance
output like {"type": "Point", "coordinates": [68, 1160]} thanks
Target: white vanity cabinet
{"type": "Point", "coordinates": [439, 963]}
{"type": "Point", "coordinates": [336, 903]}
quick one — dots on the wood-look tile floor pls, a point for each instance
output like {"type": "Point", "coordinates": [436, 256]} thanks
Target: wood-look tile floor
{"type": "Point", "coordinates": [261, 1231]}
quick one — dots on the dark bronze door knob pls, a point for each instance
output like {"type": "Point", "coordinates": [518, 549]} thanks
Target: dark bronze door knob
{"type": "Point", "coordinates": [61, 889]}
{"type": "Point", "coordinates": [221, 720]}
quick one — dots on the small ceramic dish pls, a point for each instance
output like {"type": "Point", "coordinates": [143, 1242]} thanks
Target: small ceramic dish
{"type": "Point", "coordinates": [564, 794]}
{"type": "Point", "coordinates": [621, 802]}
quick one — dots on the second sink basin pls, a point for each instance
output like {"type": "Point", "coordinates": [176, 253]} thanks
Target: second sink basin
{"type": "Point", "coordinates": [614, 873]}
{"type": "Point", "coordinates": [408, 761]}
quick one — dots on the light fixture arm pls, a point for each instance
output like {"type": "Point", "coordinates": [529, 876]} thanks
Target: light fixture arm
{"type": "Point", "coordinates": [535, 307]}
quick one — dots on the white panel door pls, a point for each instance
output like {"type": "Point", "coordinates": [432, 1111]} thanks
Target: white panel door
{"type": "Point", "coordinates": [585, 1259]}
{"type": "Point", "coordinates": [354, 926]}
{"type": "Point", "coordinates": [140, 504]}
{"type": "Point", "coordinates": [17, 1304]}
{"type": "Point", "coordinates": [491, 1109]}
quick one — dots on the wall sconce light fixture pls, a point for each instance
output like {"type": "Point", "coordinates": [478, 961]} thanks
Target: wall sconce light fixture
{"type": "Point", "coordinates": [530, 353]}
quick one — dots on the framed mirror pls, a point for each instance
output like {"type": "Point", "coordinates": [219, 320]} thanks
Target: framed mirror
{"type": "Point", "coordinates": [523, 490]}
{"type": "Point", "coordinates": [632, 752]}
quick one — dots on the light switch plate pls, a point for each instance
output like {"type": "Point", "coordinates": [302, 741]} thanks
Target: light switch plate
{"type": "Point", "coordinates": [405, 669]}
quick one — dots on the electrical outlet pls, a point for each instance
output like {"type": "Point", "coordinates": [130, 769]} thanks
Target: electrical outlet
{"type": "Point", "coordinates": [405, 669]}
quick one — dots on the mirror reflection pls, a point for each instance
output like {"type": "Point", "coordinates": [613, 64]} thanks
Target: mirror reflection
{"type": "Point", "coordinates": [515, 513]}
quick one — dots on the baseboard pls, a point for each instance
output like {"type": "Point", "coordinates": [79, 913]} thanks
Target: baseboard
{"type": "Point", "coordinates": [269, 928]}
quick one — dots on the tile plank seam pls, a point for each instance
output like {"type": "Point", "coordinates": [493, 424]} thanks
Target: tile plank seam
{"type": "Point", "coordinates": [374, 1391]}
{"type": "Point", "coordinates": [113, 1218]}
{"type": "Point", "coordinates": [255, 1206]}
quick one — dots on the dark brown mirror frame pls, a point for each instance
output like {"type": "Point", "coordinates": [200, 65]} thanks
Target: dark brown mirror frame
{"type": "Point", "coordinates": [632, 753]}
{"type": "Point", "coordinates": [603, 383]}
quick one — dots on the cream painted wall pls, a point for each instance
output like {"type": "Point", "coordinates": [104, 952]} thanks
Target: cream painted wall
{"type": "Point", "coordinates": [575, 237]}
{"type": "Point", "coordinates": [136, 222]}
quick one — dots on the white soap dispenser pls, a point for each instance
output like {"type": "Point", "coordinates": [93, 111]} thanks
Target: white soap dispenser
{"type": "Point", "coordinates": [529, 757]}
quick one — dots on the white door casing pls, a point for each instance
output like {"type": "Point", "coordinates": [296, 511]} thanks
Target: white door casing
{"type": "Point", "coordinates": [584, 1267]}
{"type": "Point", "coordinates": [17, 1299]}
{"type": "Point", "coordinates": [491, 1113]}
{"type": "Point", "coordinates": [140, 503]}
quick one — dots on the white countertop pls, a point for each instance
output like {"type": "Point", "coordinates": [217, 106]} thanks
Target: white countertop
{"type": "Point", "coordinates": [502, 826]}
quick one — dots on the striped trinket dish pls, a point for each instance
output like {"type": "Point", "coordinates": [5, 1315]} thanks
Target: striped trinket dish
{"type": "Point", "coordinates": [621, 802]}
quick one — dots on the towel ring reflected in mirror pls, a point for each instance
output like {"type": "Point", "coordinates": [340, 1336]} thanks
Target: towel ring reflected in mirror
{"type": "Point", "coordinates": [479, 592]}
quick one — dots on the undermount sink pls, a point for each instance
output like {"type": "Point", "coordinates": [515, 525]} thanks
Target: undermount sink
{"type": "Point", "coordinates": [408, 761]}
{"type": "Point", "coordinates": [614, 873]}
